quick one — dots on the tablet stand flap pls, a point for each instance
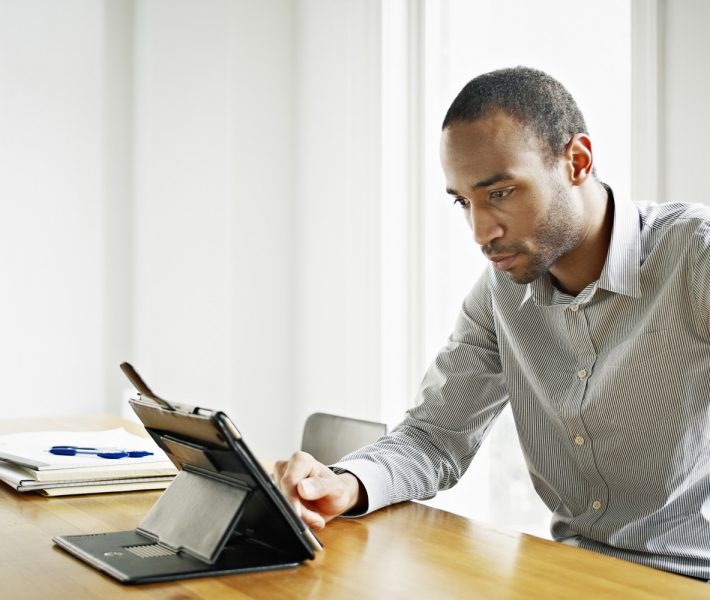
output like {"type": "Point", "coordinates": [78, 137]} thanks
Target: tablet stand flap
{"type": "Point", "coordinates": [196, 514]}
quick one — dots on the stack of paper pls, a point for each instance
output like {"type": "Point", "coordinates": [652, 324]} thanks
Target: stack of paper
{"type": "Point", "coordinates": [27, 465]}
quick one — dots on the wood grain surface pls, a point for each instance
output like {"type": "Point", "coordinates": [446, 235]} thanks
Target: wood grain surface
{"type": "Point", "coordinates": [404, 551]}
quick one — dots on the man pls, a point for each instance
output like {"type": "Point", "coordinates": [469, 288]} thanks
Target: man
{"type": "Point", "coordinates": [593, 321]}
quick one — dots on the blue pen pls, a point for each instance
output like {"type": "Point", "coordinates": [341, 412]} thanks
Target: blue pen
{"type": "Point", "coordinates": [100, 452]}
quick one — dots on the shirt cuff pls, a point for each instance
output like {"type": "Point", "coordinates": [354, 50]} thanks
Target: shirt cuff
{"type": "Point", "coordinates": [373, 478]}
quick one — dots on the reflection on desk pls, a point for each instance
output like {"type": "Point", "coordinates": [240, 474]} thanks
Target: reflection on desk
{"type": "Point", "coordinates": [404, 551]}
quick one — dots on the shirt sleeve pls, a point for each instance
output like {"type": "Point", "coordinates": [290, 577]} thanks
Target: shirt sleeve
{"type": "Point", "coordinates": [460, 397]}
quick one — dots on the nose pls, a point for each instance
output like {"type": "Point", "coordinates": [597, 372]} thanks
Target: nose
{"type": "Point", "coordinates": [486, 227]}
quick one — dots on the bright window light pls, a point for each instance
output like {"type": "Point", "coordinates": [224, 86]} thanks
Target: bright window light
{"type": "Point", "coordinates": [591, 55]}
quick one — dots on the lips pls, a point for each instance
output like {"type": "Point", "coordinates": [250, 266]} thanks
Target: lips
{"type": "Point", "coordinates": [503, 263]}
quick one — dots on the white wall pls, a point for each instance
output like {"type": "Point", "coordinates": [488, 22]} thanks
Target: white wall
{"type": "Point", "coordinates": [257, 209]}
{"type": "Point", "coordinates": [53, 257]}
{"type": "Point", "coordinates": [337, 352]}
{"type": "Point", "coordinates": [147, 189]}
{"type": "Point", "coordinates": [214, 209]}
{"type": "Point", "coordinates": [196, 187]}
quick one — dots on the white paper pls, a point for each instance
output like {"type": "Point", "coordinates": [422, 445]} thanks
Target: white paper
{"type": "Point", "coordinates": [32, 449]}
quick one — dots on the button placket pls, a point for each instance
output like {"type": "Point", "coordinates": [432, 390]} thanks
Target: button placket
{"type": "Point", "coordinates": [576, 317]}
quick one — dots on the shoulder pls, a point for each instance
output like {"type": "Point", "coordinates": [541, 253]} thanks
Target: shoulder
{"type": "Point", "coordinates": [680, 233]}
{"type": "Point", "coordinates": [676, 229]}
{"type": "Point", "coordinates": [672, 216]}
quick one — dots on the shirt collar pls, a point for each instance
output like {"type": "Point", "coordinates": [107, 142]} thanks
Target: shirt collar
{"type": "Point", "coordinates": [622, 268]}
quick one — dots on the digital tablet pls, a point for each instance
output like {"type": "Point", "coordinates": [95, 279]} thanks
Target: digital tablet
{"type": "Point", "coordinates": [222, 513]}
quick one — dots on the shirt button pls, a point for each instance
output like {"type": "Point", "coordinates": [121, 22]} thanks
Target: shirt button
{"type": "Point", "coordinates": [596, 505]}
{"type": "Point", "coordinates": [579, 440]}
{"type": "Point", "coordinates": [574, 307]}
{"type": "Point", "coordinates": [582, 374]}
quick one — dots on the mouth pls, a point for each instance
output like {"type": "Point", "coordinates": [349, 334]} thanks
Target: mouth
{"type": "Point", "coordinates": [503, 262]}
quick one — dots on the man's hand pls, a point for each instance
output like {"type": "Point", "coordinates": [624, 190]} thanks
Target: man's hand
{"type": "Point", "coordinates": [315, 492]}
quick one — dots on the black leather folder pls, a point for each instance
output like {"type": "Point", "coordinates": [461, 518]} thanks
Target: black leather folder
{"type": "Point", "coordinates": [222, 513]}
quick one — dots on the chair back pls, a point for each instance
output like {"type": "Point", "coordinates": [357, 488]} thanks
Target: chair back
{"type": "Point", "coordinates": [330, 437]}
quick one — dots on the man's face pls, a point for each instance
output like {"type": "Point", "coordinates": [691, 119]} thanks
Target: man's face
{"type": "Point", "coordinates": [520, 208]}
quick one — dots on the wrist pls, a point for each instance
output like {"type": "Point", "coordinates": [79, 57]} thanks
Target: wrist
{"type": "Point", "coordinates": [355, 493]}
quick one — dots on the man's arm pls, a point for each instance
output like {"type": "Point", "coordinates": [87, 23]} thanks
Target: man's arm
{"type": "Point", "coordinates": [460, 397]}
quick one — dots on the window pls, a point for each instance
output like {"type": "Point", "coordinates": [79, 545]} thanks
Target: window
{"type": "Point", "coordinates": [589, 50]}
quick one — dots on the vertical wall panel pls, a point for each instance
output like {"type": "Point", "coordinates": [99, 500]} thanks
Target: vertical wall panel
{"type": "Point", "coordinates": [212, 216]}
{"type": "Point", "coordinates": [51, 208]}
{"type": "Point", "coordinates": [338, 217]}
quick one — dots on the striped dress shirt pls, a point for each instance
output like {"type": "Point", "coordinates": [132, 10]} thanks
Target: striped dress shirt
{"type": "Point", "coordinates": [609, 391]}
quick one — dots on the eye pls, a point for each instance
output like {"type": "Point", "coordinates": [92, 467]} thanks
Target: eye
{"type": "Point", "coordinates": [461, 201]}
{"type": "Point", "coordinates": [500, 194]}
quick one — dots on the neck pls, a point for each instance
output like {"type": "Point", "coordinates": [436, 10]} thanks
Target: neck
{"type": "Point", "coordinates": [584, 263]}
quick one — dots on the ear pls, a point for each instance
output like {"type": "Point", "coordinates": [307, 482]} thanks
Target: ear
{"type": "Point", "coordinates": [579, 159]}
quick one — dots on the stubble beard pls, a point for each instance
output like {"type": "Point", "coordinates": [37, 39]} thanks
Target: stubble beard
{"type": "Point", "coordinates": [559, 231]}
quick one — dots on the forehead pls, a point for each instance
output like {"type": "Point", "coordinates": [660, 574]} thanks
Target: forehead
{"type": "Point", "coordinates": [493, 144]}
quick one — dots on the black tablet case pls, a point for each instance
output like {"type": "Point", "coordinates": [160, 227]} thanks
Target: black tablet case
{"type": "Point", "coordinates": [222, 514]}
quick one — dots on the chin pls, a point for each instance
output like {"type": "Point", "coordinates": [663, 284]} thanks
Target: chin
{"type": "Point", "coordinates": [526, 276]}
{"type": "Point", "coordinates": [520, 280]}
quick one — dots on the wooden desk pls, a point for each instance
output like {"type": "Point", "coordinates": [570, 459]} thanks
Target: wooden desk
{"type": "Point", "coordinates": [405, 551]}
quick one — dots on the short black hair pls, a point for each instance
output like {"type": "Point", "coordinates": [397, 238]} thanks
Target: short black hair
{"type": "Point", "coordinates": [530, 96]}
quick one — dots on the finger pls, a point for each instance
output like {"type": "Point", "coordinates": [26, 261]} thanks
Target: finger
{"type": "Point", "coordinates": [312, 518]}
{"type": "Point", "coordinates": [279, 468]}
{"type": "Point", "coordinates": [314, 488]}
{"type": "Point", "coordinates": [298, 508]}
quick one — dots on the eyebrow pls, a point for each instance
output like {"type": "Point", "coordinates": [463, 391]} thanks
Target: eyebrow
{"type": "Point", "coordinates": [505, 176]}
